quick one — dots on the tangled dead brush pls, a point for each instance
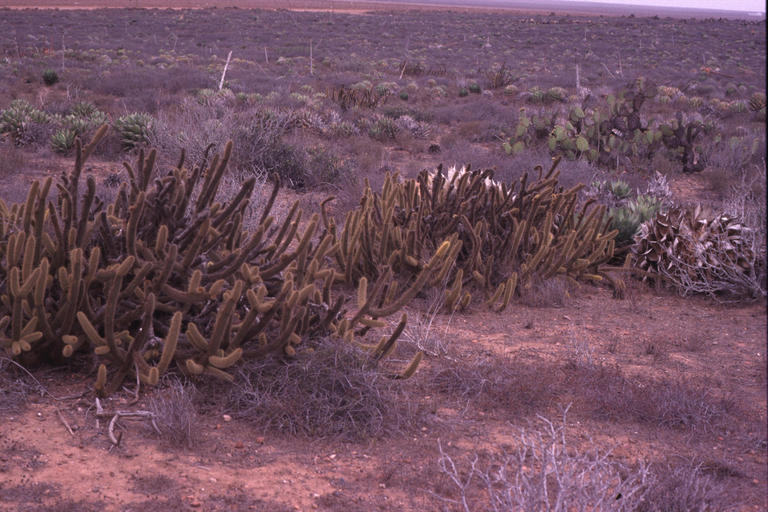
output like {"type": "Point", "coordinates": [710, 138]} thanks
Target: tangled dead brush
{"type": "Point", "coordinates": [695, 253]}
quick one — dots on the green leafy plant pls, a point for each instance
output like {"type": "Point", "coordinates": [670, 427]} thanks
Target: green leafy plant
{"type": "Point", "coordinates": [24, 123]}
{"type": "Point", "coordinates": [383, 129]}
{"type": "Point", "coordinates": [628, 218]}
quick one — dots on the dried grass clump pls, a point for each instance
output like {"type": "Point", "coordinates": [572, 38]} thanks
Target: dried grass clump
{"type": "Point", "coordinates": [673, 404]}
{"type": "Point", "coordinates": [260, 135]}
{"type": "Point", "coordinates": [493, 383]}
{"type": "Point", "coordinates": [175, 414]}
{"type": "Point", "coordinates": [15, 386]}
{"type": "Point", "coordinates": [683, 488]}
{"type": "Point", "coordinates": [552, 292]}
{"type": "Point", "coordinates": [332, 392]}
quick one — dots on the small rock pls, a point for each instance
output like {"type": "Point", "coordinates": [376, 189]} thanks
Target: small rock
{"type": "Point", "coordinates": [227, 417]}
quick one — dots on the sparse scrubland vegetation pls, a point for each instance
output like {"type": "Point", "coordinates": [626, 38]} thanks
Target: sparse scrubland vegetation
{"type": "Point", "coordinates": [471, 261]}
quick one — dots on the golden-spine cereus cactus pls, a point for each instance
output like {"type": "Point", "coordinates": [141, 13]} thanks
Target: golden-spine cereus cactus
{"type": "Point", "coordinates": [167, 277]}
{"type": "Point", "coordinates": [501, 235]}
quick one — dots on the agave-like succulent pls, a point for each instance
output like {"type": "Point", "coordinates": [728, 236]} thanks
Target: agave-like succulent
{"type": "Point", "coordinates": [133, 129]}
{"type": "Point", "coordinates": [13, 118]}
{"type": "Point", "coordinates": [63, 140]}
{"type": "Point", "coordinates": [83, 109]}
{"type": "Point", "coordinates": [696, 253]}
{"type": "Point", "coordinates": [626, 221]}
{"type": "Point", "coordinates": [757, 101]}
{"type": "Point", "coordinates": [22, 121]}
{"type": "Point", "coordinates": [620, 189]}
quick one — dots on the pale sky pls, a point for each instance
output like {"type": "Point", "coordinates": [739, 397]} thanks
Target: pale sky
{"type": "Point", "coordinates": [732, 5]}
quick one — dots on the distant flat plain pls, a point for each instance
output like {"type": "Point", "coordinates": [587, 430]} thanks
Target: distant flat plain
{"type": "Point", "coordinates": [558, 6]}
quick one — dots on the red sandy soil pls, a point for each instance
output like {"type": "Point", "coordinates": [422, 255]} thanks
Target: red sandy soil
{"type": "Point", "coordinates": [235, 466]}
{"type": "Point", "coordinates": [238, 467]}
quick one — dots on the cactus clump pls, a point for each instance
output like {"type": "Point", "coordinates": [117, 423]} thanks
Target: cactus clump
{"type": "Point", "coordinates": [500, 235]}
{"type": "Point", "coordinates": [166, 277]}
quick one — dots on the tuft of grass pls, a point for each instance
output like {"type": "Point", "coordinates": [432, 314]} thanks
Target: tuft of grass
{"type": "Point", "coordinates": [332, 391]}
{"type": "Point", "coordinates": [50, 77]}
{"type": "Point", "coordinates": [552, 292]}
{"type": "Point", "coordinates": [15, 386]}
{"type": "Point", "coordinates": [422, 330]}
{"type": "Point", "coordinates": [176, 413]}
{"type": "Point", "coordinates": [494, 384]}
{"type": "Point", "coordinates": [673, 404]}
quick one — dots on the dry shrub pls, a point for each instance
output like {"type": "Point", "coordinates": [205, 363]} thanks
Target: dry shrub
{"type": "Point", "coordinates": [15, 386]}
{"type": "Point", "coordinates": [11, 161]}
{"type": "Point", "coordinates": [261, 140]}
{"type": "Point", "coordinates": [674, 404]}
{"type": "Point", "coordinates": [543, 472]}
{"type": "Point", "coordinates": [683, 488]}
{"type": "Point", "coordinates": [176, 413]}
{"type": "Point", "coordinates": [494, 383]}
{"type": "Point", "coordinates": [552, 292]}
{"type": "Point", "coordinates": [141, 88]}
{"type": "Point", "coordinates": [333, 391]}
{"type": "Point", "coordinates": [479, 109]}
{"type": "Point", "coordinates": [746, 200]}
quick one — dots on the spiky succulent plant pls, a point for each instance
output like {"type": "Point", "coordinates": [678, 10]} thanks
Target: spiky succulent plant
{"type": "Point", "coordinates": [133, 129]}
{"type": "Point", "coordinates": [63, 140]}
{"type": "Point", "coordinates": [697, 253]}
{"type": "Point", "coordinates": [757, 101]}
